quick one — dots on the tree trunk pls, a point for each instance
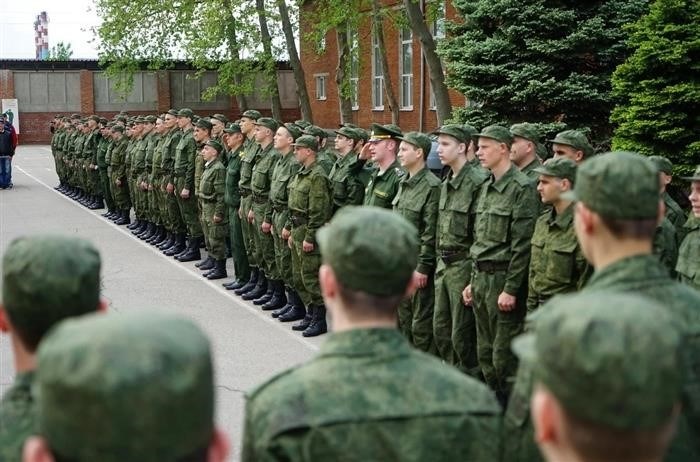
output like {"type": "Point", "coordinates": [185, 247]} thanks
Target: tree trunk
{"type": "Point", "coordinates": [271, 65]}
{"type": "Point", "coordinates": [379, 37]}
{"type": "Point", "coordinates": [234, 51]}
{"type": "Point", "coordinates": [432, 60]}
{"type": "Point", "coordinates": [342, 79]}
{"type": "Point", "coordinates": [297, 69]}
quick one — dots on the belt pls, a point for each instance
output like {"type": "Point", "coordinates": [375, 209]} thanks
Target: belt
{"type": "Point", "coordinates": [260, 199]}
{"type": "Point", "coordinates": [279, 208]}
{"type": "Point", "coordinates": [488, 266]}
{"type": "Point", "coordinates": [298, 220]}
{"type": "Point", "coordinates": [449, 257]}
{"type": "Point", "coordinates": [244, 192]}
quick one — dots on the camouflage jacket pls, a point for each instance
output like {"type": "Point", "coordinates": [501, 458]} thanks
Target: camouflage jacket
{"type": "Point", "coordinates": [675, 215]}
{"type": "Point", "coordinates": [688, 266]}
{"type": "Point", "coordinates": [370, 396]}
{"type": "Point", "coordinates": [346, 184]}
{"type": "Point", "coordinates": [383, 186]}
{"type": "Point", "coordinates": [309, 199]}
{"type": "Point", "coordinates": [117, 158]}
{"type": "Point", "coordinates": [665, 245]}
{"type": "Point", "coordinates": [212, 188]}
{"type": "Point", "coordinates": [167, 162]}
{"type": "Point", "coordinates": [261, 181]}
{"type": "Point", "coordinates": [529, 170]}
{"type": "Point", "coordinates": [185, 154]}
{"type": "Point", "coordinates": [233, 176]}
{"type": "Point", "coordinates": [17, 417]}
{"type": "Point", "coordinates": [285, 169]}
{"type": "Point", "coordinates": [248, 159]}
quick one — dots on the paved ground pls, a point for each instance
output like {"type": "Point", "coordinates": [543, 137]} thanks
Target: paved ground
{"type": "Point", "coordinates": [248, 345]}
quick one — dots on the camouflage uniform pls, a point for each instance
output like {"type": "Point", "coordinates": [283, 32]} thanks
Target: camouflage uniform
{"type": "Point", "coordinates": [383, 186]}
{"type": "Point", "coordinates": [118, 169]}
{"type": "Point", "coordinates": [688, 266]}
{"type": "Point", "coordinates": [232, 197]}
{"type": "Point", "coordinates": [183, 174]}
{"type": "Point", "coordinates": [211, 197]}
{"type": "Point", "coordinates": [248, 159]}
{"type": "Point", "coordinates": [665, 245]}
{"type": "Point", "coordinates": [17, 417]}
{"type": "Point", "coordinates": [347, 186]}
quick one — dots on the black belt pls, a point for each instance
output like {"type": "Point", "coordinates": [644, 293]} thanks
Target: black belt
{"type": "Point", "coordinates": [298, 220]}
{"type": "Point", "coordinates": [244, 192]}
{"type": "Point", "coordinates": [491, 266]}
{"type": "Point", "coordinates": [449, 257]}
{"type": "Point", "coordinates": [260, 199]}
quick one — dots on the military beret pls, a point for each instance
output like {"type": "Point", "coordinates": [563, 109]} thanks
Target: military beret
{"type": "Point", "coordinates": [419, 140]}
{"type": "Point", "coordinates": [349, 132]}
{"type": "Point", "coordinates": [498, 133]}
{"type": "Point", "coordinates": [268, 122]}
{"type": "Point", "coordinates": [618, 185]}
{"type": "Point", "coordinates": [526, 130]}
{"type": "Point", "coordinates": [662, 164]}
{"type": "Point", "coordinates": [315, 130]}
{"type": "Point", "coordinates": [370, 249]}
{"type": "Point", "coordinates": [216, 145]}
{"type": "Point", "coordinates": [562, 167]}
{"type": "Point", "coordinates": [173, 112]}
{"type": "Point", "coordinates": [307, 141]}
{"type": "Point", "coordinates": [695, 176]}
{"type": "Point", "coordinates": [384, 132]}
{"type": "Point", "coordinates": [252, 114]}
{"type": "Point", "coordinates": [132, 386]}
{"type": "Point", "coordinates": [185, 112]}
{"type": "Point", "coordinates": [610, 358]}
{"type": "Point", "coordinates": [455, 131]}
{"type": "Point", "coordinates": [294, 130]}
{"type": "Point", "coordinates": [47, 278]}
{"type": "Point", "coordinates": [203, 123]}
{"type": "Point", "coordinates": [151, 119]}
{"type": "Point", "coordinates": [576, 140]}
{"type": "Point", "coordinates": [233, 127]}
{"type": "Point", "coordinates": [221, 118]}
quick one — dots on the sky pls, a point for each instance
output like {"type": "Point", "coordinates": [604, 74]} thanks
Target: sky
{"type": "Point", "coordinates": [69, 22]}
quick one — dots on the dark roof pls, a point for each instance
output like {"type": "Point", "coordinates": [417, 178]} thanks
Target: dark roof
{"type": "Point", "coordinates": [88, 64]}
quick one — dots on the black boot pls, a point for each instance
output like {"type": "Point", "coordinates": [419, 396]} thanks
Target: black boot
{"type": "Point", "coordinates": [264, 298]}
{"type": "Point", "coordinates": [159, 237]}
{"type": "Point", "coordinates": [177, 246]}
{"type": "Point", "coordinates": [233, 285]}
{"type": "Point", "coordinates": [149, 232]}
{"type": "Point", "coordinates": [292, 301]}
{"type": "Point", "coordinates": [108, 213]}
{"type": "Point", "coordinates": [206, 264]}
{"type": "Point", "coordinates": [318, 323]}
{"type": "Point", "coordinates": [135, 224]}
{"type": "Point", "coordinates": [192, 253]}
{"type": "Point", "coordinates": [97, 203]}
{"type": "Point", "coordinates": [124, 218]}
{"type": "Point", "coordinates": [306, 320]}
{"type": "Point", "coordinates": [259, 289]}
{"type": "Point", "coordinates": [185, 249]}
{"type": "Point", "coordinates": [219, 271]}
{"type": "Point", "coordinates": [250, 284]}
{"type": "Point", "coordinates": [138, 231]}
{"type": "Point", "coordinates": [167, 242]}
{"type": "Point", "coordinates": [278, 299]}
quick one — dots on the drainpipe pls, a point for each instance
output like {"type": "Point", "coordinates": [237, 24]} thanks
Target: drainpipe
{"type": "Point", "coordinates": [422, 79]}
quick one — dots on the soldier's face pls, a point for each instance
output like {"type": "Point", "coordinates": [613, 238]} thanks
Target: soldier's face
{"type": "Point", "coordinates": [208, 153]}
{"type": "Point", "coordinates": [550, 188]}
{"type": "Point", "coordinates": [564, 150]}
{"type": "Point", "coordinates": [91, 124]}
{"type": "Point", "coordinates": [491, 152]}
{"type": "Point", "coordinates": [147, 127]}
{"type": "Point", "coordinates": [343, 143]}
{"type": "Point", "coordinates": [695, 198]}
{"type": "Point", "coordinates": [159, 125]}
{"type": "Point", "coordinates": [217, 127]}
{"type": "Point", "coordinates": [301, 153]}
{"type": "Point", "coordinates": [200, 134]}
{"type": "Point", "coordinates": [449, 149]}
{"type": "Point", "coordinates": [521, 149]}
{"type": "Point", "coordinates": [170, 121]}
{"type": "Point", "coordinates": [246, 125]}
{"type": "Point", "coordinates": [282, 138]}
{"type": "Point", "coordinates": [409, 155]}
{"type": "Point", "coordinates": [262, 133]}
{"type": "Point", "coordinates": [233, 140]}
{"type": "Point", "coordinates": [183, 121]}
{"type": "Point", "coordinates": [379, 150]}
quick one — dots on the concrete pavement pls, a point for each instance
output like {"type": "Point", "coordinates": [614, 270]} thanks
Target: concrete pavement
{"type": "Point", "coordinates": [249, 346]}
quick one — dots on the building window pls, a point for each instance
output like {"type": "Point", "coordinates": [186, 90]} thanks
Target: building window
{"type": "Point", "coordinates": [377, 77]}
{"type": "Point", "coordinates": [321, 86]}
{"type": "Point", "coordinates": [354, 70]}
{"type": "Point", "coordinates": [438, 25]}
{"type": "Point", "coordinates": [433, 103]}
{"type": "Point", "coordinates": [406, 68]}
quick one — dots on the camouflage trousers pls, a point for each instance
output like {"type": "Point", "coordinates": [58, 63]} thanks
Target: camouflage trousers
{"type": "Point", "coordinates": [495, 329]}
{"type": "Point", "coordinates": [215, 233]}
{"type": "Point", "coordinates": [248, 229]}
{"type": "Point", "coordinates": [305, 267]}
{"type": "Point", "coordinates": [283, 254]}
{"type": "Point", "coordinates": [122, 199]}
{"type": "Point", "coordinates": [188, 210]}
{"type": "Point", "coordinates": [416, 317]}
{"type": "Point", "coordinates": [106, 187]}
{"type": "Point", "coordinates": [174, 222]}
{"type": "Point", "coordinates": [240, 259]}
{"type": "Point", "coordinates": [264, 243]}
{"type": "Point", "coordinates": [454, 326]}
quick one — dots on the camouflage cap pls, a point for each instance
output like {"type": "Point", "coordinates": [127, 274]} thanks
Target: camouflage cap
{"type": "Point", "coordinates": [695, 176]}
{"type": "Point", "coordinates": [268, 122]}
{"type": "Point", "coordinates": [221, 118]}
{"type": "Point", "coordinates": [619, 185]}
{"type": "Point", "coordinates": [139, 120]}
{"type": "Point", "coordinates": [315, 130]}
{"type": "Point", "coordinates": [93, 371]}
{"type": "Point", "coordinates": [470, 131]}
{"type": "Point", "coordinates": [172, 112]}
{"type": "Point", "coordinates": [348, 132]}
{"type": "Point", "coordinates": [103, 120]}
{"type": "Point", "coordinates": [233, 127]}
{"type": "Point", "coordinates": [215, 144]}
{"type": "Point", "coordinates": [662, 164]}
{"type": "Point", "coordinates": [203, 123]}
{"type": "Point", "coordinates": [348, 125]}
{"type": "Point", "coordinates": [610, 358]}
{"type": "Point", "coordinates": [384, 132]}
{"type": "Point", "coordinates": [47, 278]}
{"type": "Point", "coordinates": [294, 130]}
{"type": "Point", "coordinates": [562, 167]}
{"type": "Point", "coordinates": [251, 114]}
{"type": "Point", "coordinates": [94, 117]}
{"type": "Point", "coordinates": [75, 116]}
{"type": "Point", "coordinates": [302, 123]}
{"type": "Point", "coordinates": [118, 128]}
{"type": "Point", "coordinates": [185, 112]}
{"type": "Point", "coordinates": [419, 140]}
{"type": "Point", "coordinates": [364, 134]}
{"type": "Point", "coordinates": [526, 130]}
{"type": "Point", "coordinates": [498, 133]}
{"type": "Point", "coordinates": [456, 131]}
{"type": "Point", "coordinates": [370, 249]}
{"type": "Point", "coordinates": [307, 141]}
{"type": "Point", "coordinates": [151, 119]}
{"type": "Point", "coordinates": [576, 140]}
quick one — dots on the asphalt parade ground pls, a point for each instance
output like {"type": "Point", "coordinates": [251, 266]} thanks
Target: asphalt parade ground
{"type": "Point", "coordinates": [248, 345]}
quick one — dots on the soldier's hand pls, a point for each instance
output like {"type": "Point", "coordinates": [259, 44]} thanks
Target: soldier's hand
{"type": "Point", "coordinates": [420, 279]}
{"type": "Point", "coordinates": [240, 213]}
{"type": "Point", "coordinates": [467, 296]}
{"type": "Point", "coordinates": [185, 194]}
{"type": "Point", "coordinates": [251, 216]}
{"type": "Point", "coordinates": [265, 227]}
{"type": "Point", "coordinates": [170, 188]}
{"type": "Point", "coordinates": [216, 219]}
{"type": "Point", "coordinates": [365, 152]}
{"type": "Point", "coordinates": [285, 234]}
{"type": "Point", "coordinates": [290, 242]}
{"type": "Point", "coordinates": [506, 302]}
{"type": "Point", "coordinates": [307, 246]}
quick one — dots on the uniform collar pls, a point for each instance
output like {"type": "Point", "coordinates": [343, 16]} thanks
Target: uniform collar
{"type": "Point", "coordinates": [412, 180]}
{"type": "Point", "coordinates": [638, 268]}
{"type": "Point", "coordinates": [365, 342]}
{"type": "Point", "coordinates": [564, 219]}
{"type": "Point", "coordinates": [501, 183]}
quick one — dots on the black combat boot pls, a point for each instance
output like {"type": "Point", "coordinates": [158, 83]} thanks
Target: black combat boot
{"type": "Point", "coordinates": [235, 284]}
{"type": "Point", "coordinates": [177, 246]}
{"type": "Point", "coordinates": [252, 282]}
{"type": "Point", "coordinates": [160, 237]}
{"type": "Point", "coordinates": [124, 218]}
{"type": "Point", "coordinates": [167, 242]}
{"type": "Point", "coordinates": [206, 264]}
{"type": "Point", "coordinates": [135, 224]}
{"type": "Point", "coordinates": [278, 299]}
{"type": "Point", "coordinates": [264, 298]}
{"type": "Point", "coordinates": [291, 302]}
{"type": "Point", "coordinates": [259, 289]}
{"type": "Point", "coordinates": [192, 253]}
{"type": "Point", "coordinates": [318, 323]}
{"type": "Point", "coordinates": [185, 249]}
{"type": "Point", "coordinates": [219, 271]}
{"type": "Point", "coordinates": [97, 203]}
{"type": "Point", "coordinates": [149, 232]}
{"type": "Point", "coordinates": [305, 321]}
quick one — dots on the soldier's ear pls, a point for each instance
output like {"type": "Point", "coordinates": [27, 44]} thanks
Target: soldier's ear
{"type": "Point", "coordinates": [662, 211]}
{"type": "Point", "coordinates": [36, 449]}
{"type": "Point", "coordinates": [544, 417]}
{"type": "Point", "coordinates": [4, 325]}
{"type": "Point", "coordinates": [219, 447]}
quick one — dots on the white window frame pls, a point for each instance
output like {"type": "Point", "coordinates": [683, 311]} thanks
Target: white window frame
{"type": "Point", "coordinates": [354, 70]}
{"type": "Point", "coordinates": [321, 87]}
{"type": "Point", "coordinates": [377, 77]}
{"type": "Point", "coordinates": [437, 28]}
{"type": "Point", "coordinates": [405, 75]}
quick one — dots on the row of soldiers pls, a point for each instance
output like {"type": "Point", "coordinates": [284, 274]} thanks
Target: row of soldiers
{"type": "Point", "coordinates": [606, 375]}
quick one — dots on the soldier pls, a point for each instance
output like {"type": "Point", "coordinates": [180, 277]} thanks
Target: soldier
{"type": "Point", "coordinates": [141, 169]}
{"type": "Point", "coordinates": [674, 212]}
{"type": "Point", "coordinates": [102, 164]}
{"type": "Point", "coordinates": [557, 264]}
{"type": "Point", "coordinates": [417, 201]}
{"type": "Point", "coordinates": [176, 225]}
{"type": "Point", "coordinates": [309, 209]}
{"type": "Point", "coordinates": [154, 182]}
{"type": "Point", "coordinates": [201, 134]}
{"type": "Point", "coordinates": [45, 279]}
{"type": "Point", "coordinates": [454, 324]}
{"type": "Point", "coordinates": [95, 200]}
{"type": "Point", "coordinates": [354, 395]}
{"type": "Point", "coordinates": [572, 144]}
{"type": "Point", "coordinates": [284, 170]}
{"type": "Point", "coordinates": [608, 378]}
{"type": "Point", "coordinates": [688, 267]}
{"type": "Point", "coordinates": [234, 141]}
{"type": "Point", "coordinates": [384, 176]}
{"type": "Point", "coordinates": [505, 219]}
{"type": "Point", "coordinates": [164, 364]}
{"type": "Point", "coordinates": [218, 124]}
{"type": "Point", "coordinates": [325, 156]}
{"type": "Point", "coordinates": [214, 217]}
{"type": "Point", "coordinates": [120, 189]}
{"type": "Point", "coordinates": [523, 152]}
{"type": "Point", "coordinates": [615, 217]}
{"type": "Point", "coordinates": [347, 186]}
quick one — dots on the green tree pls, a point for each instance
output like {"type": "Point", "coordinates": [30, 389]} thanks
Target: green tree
{"type": "Point", "coordinates": [547, 61]}
{"type": "Point", "coordinates": [60, 52]}
{"type": "Point", "coordinates": [658, 87]}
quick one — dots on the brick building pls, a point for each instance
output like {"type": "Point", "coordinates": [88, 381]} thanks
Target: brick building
{"type": "Point", "coordinates": [409, 74]}
{"type": "Point", "coordinates": [46, 88]}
